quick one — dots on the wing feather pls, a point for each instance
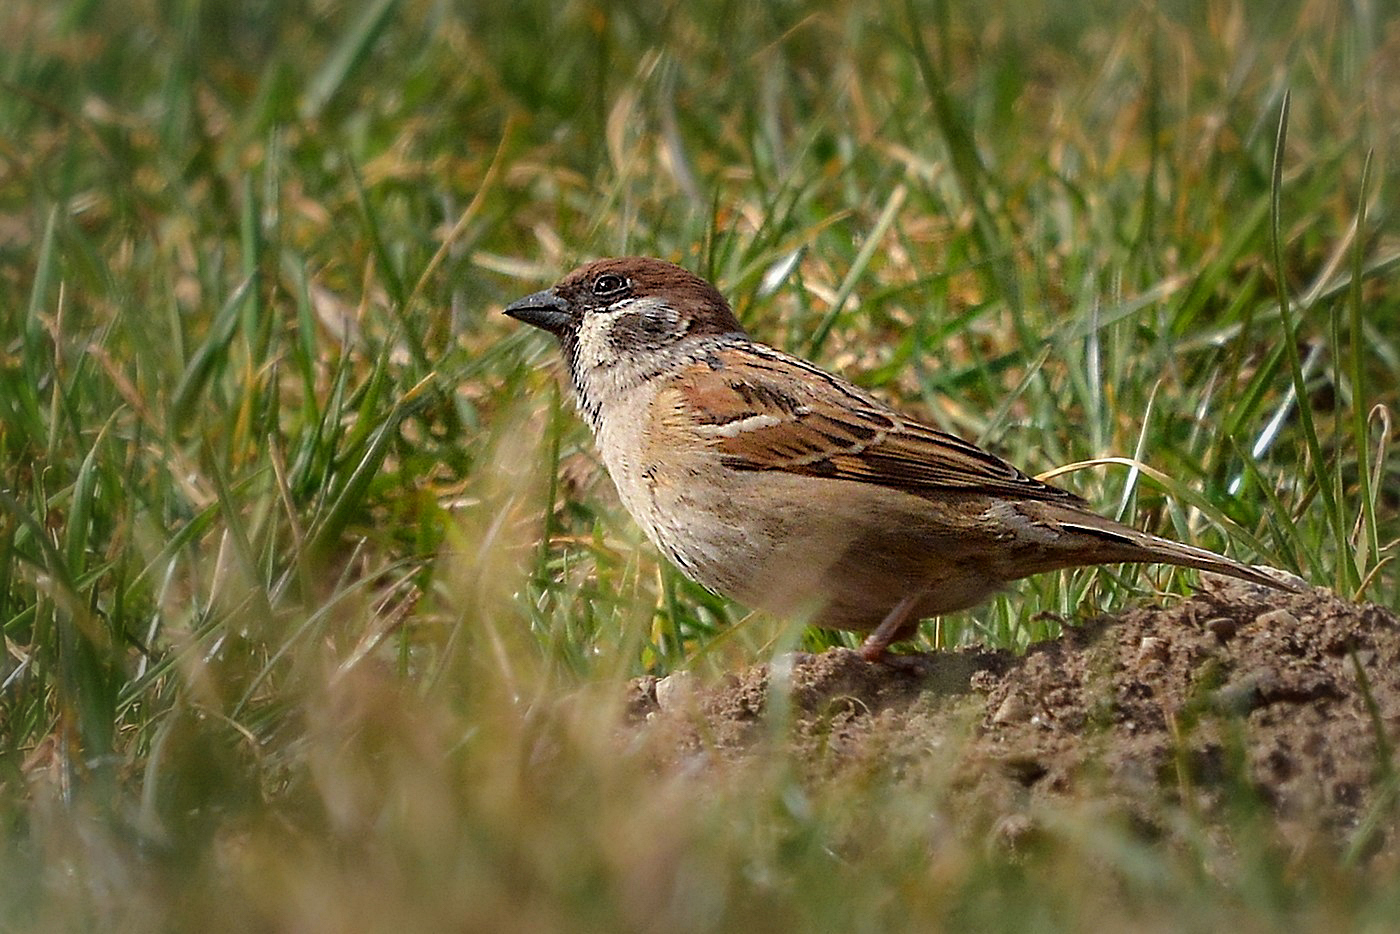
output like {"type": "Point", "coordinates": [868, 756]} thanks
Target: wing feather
{"type": "Point", "coordinates": [775, 412]}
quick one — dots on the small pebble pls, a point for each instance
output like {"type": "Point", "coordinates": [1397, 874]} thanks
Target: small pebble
{"type": "Point", "coordinates": [1223, 628]}
{"type": "Point", "coordinates": [672, 689]}
{"type": "Point", "coordinates": [1012, 710]}
{"type": "Point", "coordinates": [1014, 830]}
{"type": "Point", "coordinates": [1152, 649]}
{"type": "Point", "coordinates": [1277, 619]}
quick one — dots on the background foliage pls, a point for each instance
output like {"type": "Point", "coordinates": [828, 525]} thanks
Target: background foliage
{"type": "Point", "coordinates": [315, 608]}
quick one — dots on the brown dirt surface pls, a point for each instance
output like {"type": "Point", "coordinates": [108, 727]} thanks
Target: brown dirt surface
{"type": "Point", "coordinates": [1236, 697]}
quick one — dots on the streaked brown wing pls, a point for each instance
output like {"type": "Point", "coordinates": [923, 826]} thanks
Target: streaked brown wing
{"type": "Point", "coordinates": [775, 412]}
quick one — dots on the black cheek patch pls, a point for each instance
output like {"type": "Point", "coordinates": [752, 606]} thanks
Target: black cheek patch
{"type": "Point", "coordinates": [633, 331]}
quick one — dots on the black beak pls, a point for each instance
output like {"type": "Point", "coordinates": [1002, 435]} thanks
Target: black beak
{"type": "Point", "coordinates": [544, 310]}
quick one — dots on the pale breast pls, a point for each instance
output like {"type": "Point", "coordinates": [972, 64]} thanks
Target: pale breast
{"type": "Point", "coordinates": [794, 545]}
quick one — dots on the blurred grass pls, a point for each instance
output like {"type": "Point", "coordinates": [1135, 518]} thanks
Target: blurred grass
{"type": "Point", "coordinates": [315, 606]}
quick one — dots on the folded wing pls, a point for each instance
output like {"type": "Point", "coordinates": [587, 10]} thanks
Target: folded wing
{"type": "Point", "coordinates": [762, 418]}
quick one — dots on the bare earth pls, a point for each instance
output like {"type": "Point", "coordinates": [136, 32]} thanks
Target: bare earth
{"type": "Point", "coordinates": [1237, 697]}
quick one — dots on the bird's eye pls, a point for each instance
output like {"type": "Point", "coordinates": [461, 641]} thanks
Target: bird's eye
{"type": "Point", "coordinates": [608, 285]}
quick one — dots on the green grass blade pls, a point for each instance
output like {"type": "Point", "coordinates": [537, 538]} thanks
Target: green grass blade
{"type": "Point", "coordinates": [1345, 570]}
{"type": "Point", "coordinates": [1370, 553]}
{"type": "Point", "coordinates": [208, 356]}
{"type": "Point", "coordinates": [348, 55]}
{"type": "Point", "coordinates": [332, 525]}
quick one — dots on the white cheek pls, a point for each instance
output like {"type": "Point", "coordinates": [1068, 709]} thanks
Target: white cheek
{"type": "Point", "coordinates": [593, 348]}
{"type": "Point", "coordinates": [600, 364]}
{"type": "Point", "coordinates": [601, 378]}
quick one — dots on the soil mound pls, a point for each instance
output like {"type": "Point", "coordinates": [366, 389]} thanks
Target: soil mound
{"type": "Point", "coordinates": [1238, 695]}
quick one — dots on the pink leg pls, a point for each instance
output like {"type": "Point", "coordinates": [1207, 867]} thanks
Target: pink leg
{"type": "Point", "coordinates": [876, 646]}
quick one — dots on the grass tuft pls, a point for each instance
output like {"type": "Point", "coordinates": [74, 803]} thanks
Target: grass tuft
{"type": "Point", "coordinates": [317, 609]}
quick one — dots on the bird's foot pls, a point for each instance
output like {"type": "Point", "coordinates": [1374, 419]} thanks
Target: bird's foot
{"type": "Point", "coordinates": [895, 625]}
{"type": "Point", "coordinates": [918, 664]}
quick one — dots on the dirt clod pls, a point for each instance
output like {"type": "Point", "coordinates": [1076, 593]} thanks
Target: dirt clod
{"type": "Point", "coordinates": [1289, 701]}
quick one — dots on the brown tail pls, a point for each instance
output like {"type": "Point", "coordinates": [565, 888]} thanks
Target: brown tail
{"type": "Point", "coordinates": [1119, 543]}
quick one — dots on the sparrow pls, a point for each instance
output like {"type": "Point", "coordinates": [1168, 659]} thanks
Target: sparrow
{"type": "Point", "coordinates": [787, 488]}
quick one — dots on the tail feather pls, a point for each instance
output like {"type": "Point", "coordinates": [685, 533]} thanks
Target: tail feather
{"type": "Point", "coordinates": [1130, 545]}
